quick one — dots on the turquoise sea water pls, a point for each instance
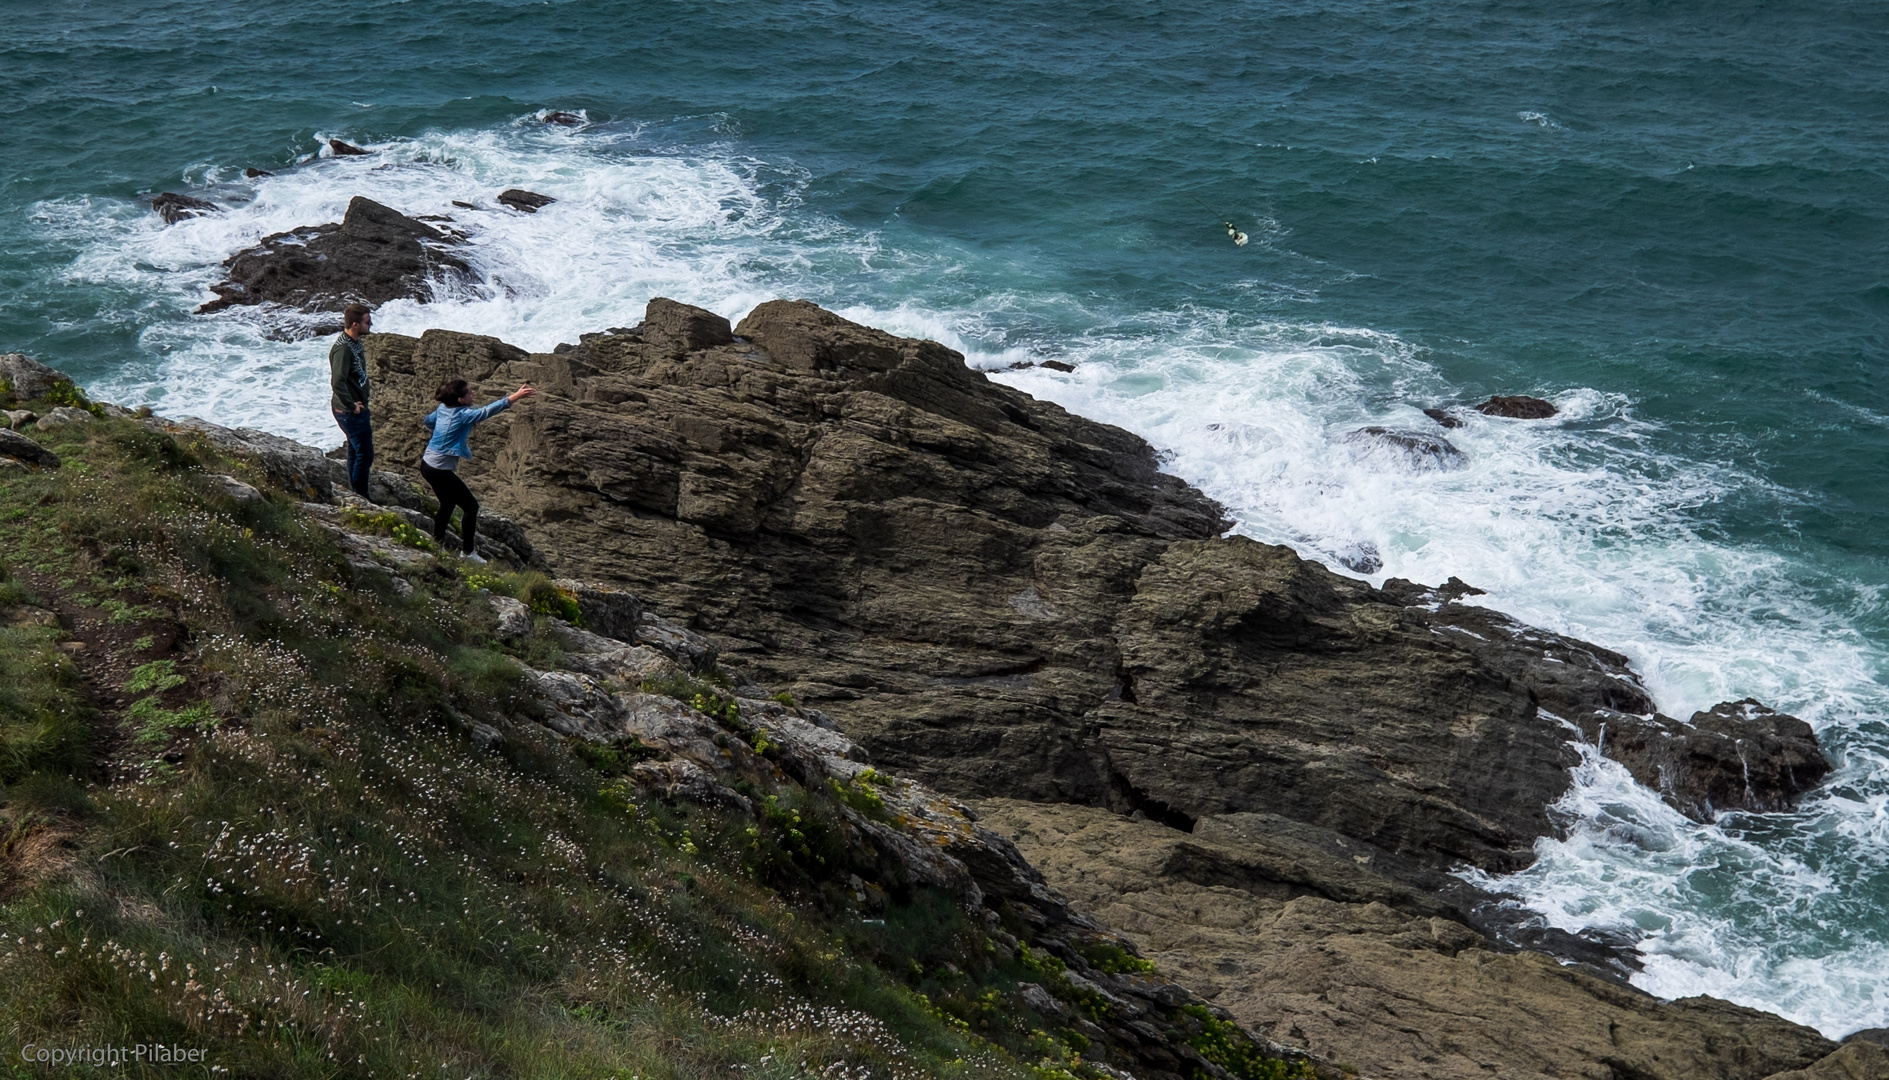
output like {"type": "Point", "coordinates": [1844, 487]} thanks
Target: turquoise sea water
{"type": "Point", "coordinates": [1672, 219]}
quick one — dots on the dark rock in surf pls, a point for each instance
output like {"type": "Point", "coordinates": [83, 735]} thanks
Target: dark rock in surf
{"type": "Point", "coordinates": [1517, 407]}
{"type": "Point", "coordinates": [1419, 451]}
{"type": "Point", "coordinates": [1362, 557]}
{"type": "Point", "coordinates": [1443, 417]}
{"type": "Point", "coordinates": [375, 254]}
{"type": "Point", "coordinates": [174, 208]}
{"type": "Point", "coordinates": [526, 201]}
{"type": "Point", "coordinates": [1736, 756]}
{"type": "Point", "coordinates": [562, 118]}
{"type": "Point", "coordinates": [341, 149]}
{"type": "Point", "coordinates": [1053, 365]}
{"type": "Point", "coordinates": [254, 173]}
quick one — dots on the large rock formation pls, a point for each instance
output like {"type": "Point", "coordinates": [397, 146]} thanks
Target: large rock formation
{"type": "Point", "coordinates": [1314, 952]}
{"type": "Point", "coordinates": [1005, 599]}
{"type": "Point", "coordinates": [373, 255]}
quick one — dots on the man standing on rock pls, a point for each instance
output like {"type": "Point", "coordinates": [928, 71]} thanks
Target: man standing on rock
{"type": "Point", "coordinates": [347, 379]}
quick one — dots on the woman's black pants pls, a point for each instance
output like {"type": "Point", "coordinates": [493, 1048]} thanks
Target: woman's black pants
{"type": "Point", "coordinates": [452, 492]}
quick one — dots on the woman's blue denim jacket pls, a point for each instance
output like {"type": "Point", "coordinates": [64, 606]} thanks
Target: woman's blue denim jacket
{"type": "Point", "coordinates": [452, 425]}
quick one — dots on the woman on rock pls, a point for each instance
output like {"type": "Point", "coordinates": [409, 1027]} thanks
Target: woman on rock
{"type": "Point", "coordinates": [452, 424]}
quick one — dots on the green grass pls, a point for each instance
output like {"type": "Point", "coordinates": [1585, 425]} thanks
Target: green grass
{"type": "Point", "coordinates": [325, 880]}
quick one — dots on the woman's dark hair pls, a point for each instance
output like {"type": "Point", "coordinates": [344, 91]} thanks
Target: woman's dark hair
{"type": "Point", "coordinates": [451, 391]}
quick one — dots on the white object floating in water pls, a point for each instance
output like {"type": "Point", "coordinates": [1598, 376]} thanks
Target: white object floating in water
{"type": "Point", "coordinates": [1239, 238]}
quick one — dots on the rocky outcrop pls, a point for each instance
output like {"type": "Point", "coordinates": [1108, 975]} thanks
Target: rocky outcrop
{"type": "Point", "coordinates": [1735, 756]}
{"type": "Point", "coordinates": [344, 149]}
{"type": "Point", "coordinates": [1517, 407]}
{"type": "Point", "coordinates": [900, 835]}
{"type": "Point", "coordinates": [373, 255]}
{"type": "Point", "coordinates": [1738, 755]}
{"type": "Point", "coordinates": [25, 379]}
{"type": "Point", "coordinates": [1315, 951]}
{"type": "Point", "coordinates": [1857, 1060]}
{"type": "Point", "coordinates": [998, 597]}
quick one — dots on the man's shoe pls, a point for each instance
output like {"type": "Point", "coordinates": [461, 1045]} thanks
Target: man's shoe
{"type": "Point", "coordinates": [473, 557]}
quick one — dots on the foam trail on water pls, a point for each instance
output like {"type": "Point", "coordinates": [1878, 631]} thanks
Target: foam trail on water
{"type": "Point", "coordinates": [1585, 523]}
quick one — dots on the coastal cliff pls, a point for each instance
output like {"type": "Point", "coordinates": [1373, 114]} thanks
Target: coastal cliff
{"type": "Point", "coordinates": [1005, 599]}
{"type": "Point", "coordinates": [1085, 712]}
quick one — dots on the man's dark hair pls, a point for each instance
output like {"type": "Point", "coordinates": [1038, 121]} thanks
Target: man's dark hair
{"type": "Point", "coordinates": [451, 391]}
{"type": "Point", "coordinates": [354, 313]}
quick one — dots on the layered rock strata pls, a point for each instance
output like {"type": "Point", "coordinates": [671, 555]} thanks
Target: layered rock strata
{"type": "Point", "coordinates": [1002, 598]}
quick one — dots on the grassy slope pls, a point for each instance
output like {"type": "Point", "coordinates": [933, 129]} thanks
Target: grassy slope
{"type": "Point", "coordinates": [239, 816]}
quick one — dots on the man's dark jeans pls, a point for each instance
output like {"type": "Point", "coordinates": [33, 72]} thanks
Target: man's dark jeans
{"type": "Point", "coordinates": [359, 428]}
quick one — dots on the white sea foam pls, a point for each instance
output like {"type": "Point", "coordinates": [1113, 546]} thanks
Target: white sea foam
{"type": "Point", "coordinates": [1580, 523]}
{"type": "Point", "coordinates": [628, 225]}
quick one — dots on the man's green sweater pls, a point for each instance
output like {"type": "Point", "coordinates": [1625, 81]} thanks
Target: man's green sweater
{"type": "Point", "coordinates": [347, 373]}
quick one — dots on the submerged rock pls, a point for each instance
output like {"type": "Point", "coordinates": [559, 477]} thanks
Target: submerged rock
{"type": "Point", "coordinates": [527, 201]}
{"type": "Point", "coordinates": [1517, 407]}
{"type": "Point", "coordinates": [1443, 417]}
{"type": "Point", "coordinates": [373, 255]}
{"type": "Point", "coordinates": [1361, 556]}
{"type": "Point", "coordinates": [342, 149]}
{"type": "Point", "coordinates": [1418, 451]}
{"type": "Point", "coordinates": [174, 208]}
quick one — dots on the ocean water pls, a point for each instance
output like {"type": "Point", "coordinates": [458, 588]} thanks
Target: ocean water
{"type": "Point", "coordinates": [1669, 218]}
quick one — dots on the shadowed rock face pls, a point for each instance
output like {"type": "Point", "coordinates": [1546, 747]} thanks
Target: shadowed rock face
{"type": "Point", "coordinates": [375, 254]}
{"type": "Point", "coordinates": [997, 596]}
{"type": "Point", "coordinates": [1735, 756]}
